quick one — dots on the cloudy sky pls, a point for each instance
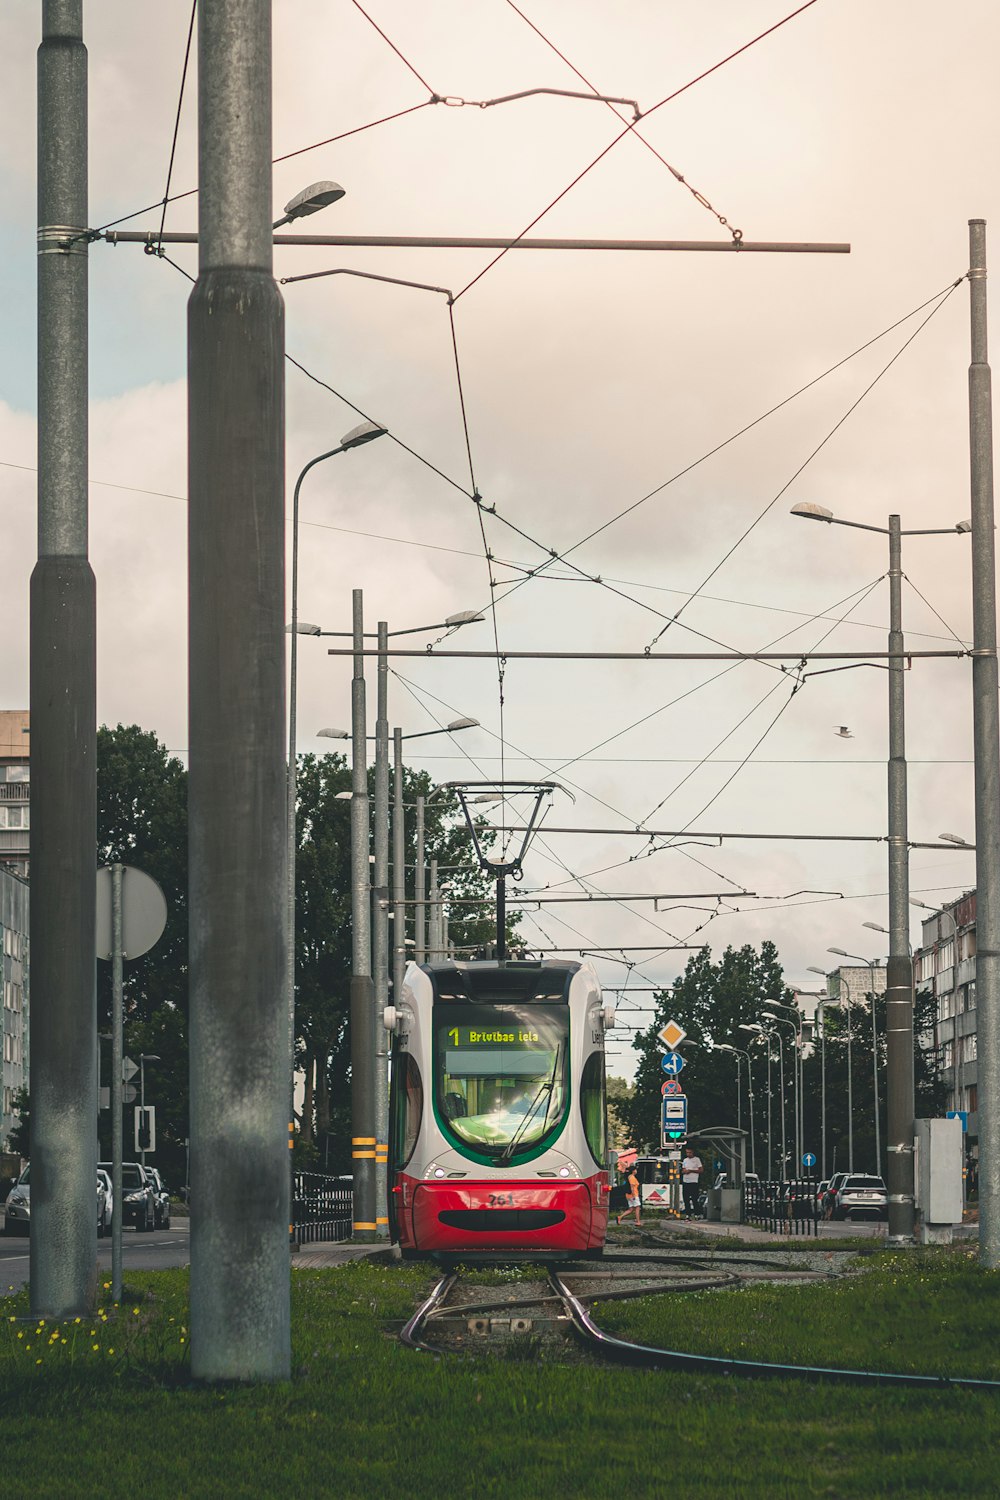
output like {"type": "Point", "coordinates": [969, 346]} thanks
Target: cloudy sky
{"type": "Point", "coordinates": [593, 382]}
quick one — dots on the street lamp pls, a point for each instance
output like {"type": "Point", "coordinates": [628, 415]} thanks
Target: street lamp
{"type": "Point", "coordinates": [850, 1083]}
{"type": "Point", "coordinates": [899, 969]}
{"type": "Point", "coordinates": [739, 1052]}
{"type": "Point", "coordinates": [763, 1032]}
{"type": "Point", "coordinates": [820, 1008]}
{"type": "Point", "coordinates": [366, 432]}
{"type": "Point", "coordinates": [797, 1079]}
{"type": "Point", "coordinates": [870, 962]}
{"type": "Point", "coordinates": [310, 201]}
{"type": "Point", "coordinates": [144, 1058]}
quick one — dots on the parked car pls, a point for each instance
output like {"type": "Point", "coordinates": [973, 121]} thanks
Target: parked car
{"type": "Point", "coordinates": [161, 1199]}
{"type": "Point", "coordinates": [17, 1209]}
{"type": "Point", "coordinates": [821, 1189]}
{"type": "Point", "coordinates": [138, 1206]}
{"type": "Point", "coordinates": [830, 1196]}
{"type": "Point", "coordinates": [861, 1194]}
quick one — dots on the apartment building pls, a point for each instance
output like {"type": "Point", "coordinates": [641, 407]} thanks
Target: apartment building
{"type": "Point", "coordinates": [14, 1014]}
{"type": "Point", "coordinates": [945, 966]}
{"type": "Point", "coordinates": [15, 790]}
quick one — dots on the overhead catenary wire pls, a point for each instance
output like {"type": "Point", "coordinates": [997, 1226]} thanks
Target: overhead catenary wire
{"type": "Point", "coordinates": [726, 442]}
{"type": "Point", "coordinates": [492, 509]}
{"type": "Point", "coordinates": [678, 176]}
{"type": "Point", "coordinates": [177, 119]}
{"type": "Point", "coordinates": [819, 447]}
{"type": "Point", "coordinates": [707, 72]}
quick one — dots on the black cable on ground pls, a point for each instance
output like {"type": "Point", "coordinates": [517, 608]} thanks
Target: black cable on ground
{"type": "Point", "coordinates": [643, 1355]}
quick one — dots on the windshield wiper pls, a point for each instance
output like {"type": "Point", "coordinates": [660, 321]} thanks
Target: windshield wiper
{"type": "Point", "coordinates": [548, 1087]}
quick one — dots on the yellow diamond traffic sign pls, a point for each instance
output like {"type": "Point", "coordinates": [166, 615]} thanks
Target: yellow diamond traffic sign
{"type": "Point", "coordinates": [672, 1035]}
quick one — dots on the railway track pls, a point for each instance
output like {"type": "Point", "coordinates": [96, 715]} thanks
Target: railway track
{"type": "Point", "coordinates": [562, 1300]}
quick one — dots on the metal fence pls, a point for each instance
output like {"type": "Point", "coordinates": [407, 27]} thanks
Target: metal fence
{"type": "Point", "coordinates": [321, 1207]}
{"type": "Point", "coordinates": [783, 1207]}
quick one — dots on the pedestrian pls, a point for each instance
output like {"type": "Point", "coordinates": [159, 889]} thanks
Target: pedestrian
{"type": "Point", "coordinates": [691, 1170]}
{"type": "Point", "coordinates": [632, 1197]}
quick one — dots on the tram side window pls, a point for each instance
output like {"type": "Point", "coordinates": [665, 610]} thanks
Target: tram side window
{"type": "Point", "coordinates": [592, 1106]}
{"type": "Point", "coordinates": [409, 1106]}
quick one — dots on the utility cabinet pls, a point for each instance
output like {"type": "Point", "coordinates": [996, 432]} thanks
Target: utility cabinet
{"type": "Point", "coordinates": [937, 1172]}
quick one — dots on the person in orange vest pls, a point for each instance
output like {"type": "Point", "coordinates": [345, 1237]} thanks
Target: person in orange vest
{"type": "Point", "coordinates": [633, 1198]}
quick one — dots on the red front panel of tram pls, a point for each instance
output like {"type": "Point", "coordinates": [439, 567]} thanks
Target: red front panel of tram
{"type": "Point", "coordinates": [495, 1214]}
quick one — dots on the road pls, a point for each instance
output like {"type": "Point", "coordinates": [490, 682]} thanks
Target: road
{"type": "Point", "coordinates": [159, 1251]}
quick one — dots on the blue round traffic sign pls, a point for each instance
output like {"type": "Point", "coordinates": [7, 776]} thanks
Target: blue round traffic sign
{"type": "Point", "coordinates": [808, 1159]}
{"type": "Point", "coordinates": [671, 1063]}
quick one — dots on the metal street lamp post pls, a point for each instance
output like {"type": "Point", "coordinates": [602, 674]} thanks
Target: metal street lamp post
{"type": "Point", "coordinates": [796, 1026]}
{"type": "Point", "coordinates": [899, 970]}
{"type": "Point", "coordinates": [739, 1052]}
{"type": "Point", "coordinates": [871, 965]}
{"type": "Point", "coordinates": [764, 1032]}
{"type": "Point", "coordinates": [846, 1005]}
{"type": "Point", "coordinates": [356, 438]}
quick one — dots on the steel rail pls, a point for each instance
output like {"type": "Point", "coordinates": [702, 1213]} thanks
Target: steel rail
{"type": "Point", "coordinates": [412, 1329]}
{"type": "Point", "coordinates": [622, 1351]}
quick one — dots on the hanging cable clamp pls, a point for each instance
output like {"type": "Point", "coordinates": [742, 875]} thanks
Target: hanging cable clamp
{"type": "Point", "coordinates": [62, 239]}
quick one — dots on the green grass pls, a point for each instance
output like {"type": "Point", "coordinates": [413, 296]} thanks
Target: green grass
{"type": "Point", "coordinates": [363, 1417]}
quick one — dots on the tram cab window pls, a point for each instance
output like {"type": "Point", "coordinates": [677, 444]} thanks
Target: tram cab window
{"type": "Point", "coordinates": [408, 1103]}
{"type": "Point", "coordinates": [500, 1075]}
{"type": "Point", "coordinates": [592, 1106]}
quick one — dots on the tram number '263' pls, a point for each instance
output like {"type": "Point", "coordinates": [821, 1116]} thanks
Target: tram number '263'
{"type": "Point", "coordinates": [501, 1200]}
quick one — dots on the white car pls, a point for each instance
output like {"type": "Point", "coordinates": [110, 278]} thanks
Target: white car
{"type": "Point", "coordinates": [17, 1209]}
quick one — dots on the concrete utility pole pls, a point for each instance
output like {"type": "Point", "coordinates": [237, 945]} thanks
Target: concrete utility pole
{"type": "Point", "coordinates": [987, 755]}
{"type": "Point", "coordinates": [63, 696]}
{"type": "Point", "coordinates": [419, 887]}
{"type": "Point", "coordinates": [398, 869]}
{"type": "Point", "coordinates": [380, 938]}
{"type": "Point", "coordinates": [240, 1056]}
{"type": "Point", "coordinates": [900, 1107]}
{"type": "Point", "coordinates": [362, 989]}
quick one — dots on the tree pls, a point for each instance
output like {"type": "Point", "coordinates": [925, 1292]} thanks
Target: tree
{"type": "Point", "coordinates": [710, 1001]}
{"type": "Point", "coordinates": [142, 821]}
{"type": "Point", "coordinates": [323, 934]}
{"type": "Point", "coordinates": [619, 1093]}
{"type": "Point", "coordinates": [929, 1091]}
{"type": "Point", "coordinates": [19, 1139]}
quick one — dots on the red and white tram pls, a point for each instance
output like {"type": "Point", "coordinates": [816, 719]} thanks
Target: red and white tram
{"type": "Point", "coordinates": [498, 1125]}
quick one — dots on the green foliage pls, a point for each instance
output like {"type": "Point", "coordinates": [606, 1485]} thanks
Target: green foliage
{"type": "Point", "coordinates": [142, 822]}
{"type": "Point", "coordinates": [619, 1094]}
{"type": "Point", "coordinates": [19, 1139]}
{"type": "Point", "coordinates": [711, 1001]}
{"type": "Point", "coordinates": [363, 1415]}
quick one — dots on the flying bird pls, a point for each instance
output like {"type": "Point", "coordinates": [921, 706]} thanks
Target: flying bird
{"type": "Point", "coordinates": [843, 731]}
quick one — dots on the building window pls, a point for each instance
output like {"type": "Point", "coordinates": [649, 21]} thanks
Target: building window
{"type": "Point", "coordinates": [948, 1055]}
{"type": "Point", "coordinates": [971, 1048]}
{"type": "Point", "coordinates": [946, 955]}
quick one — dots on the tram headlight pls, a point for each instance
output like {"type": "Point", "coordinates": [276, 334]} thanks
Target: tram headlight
{"type": "Point", "coordinates": [569, 1171]}
{"type": "Point", "coordinates": [436, 1172]}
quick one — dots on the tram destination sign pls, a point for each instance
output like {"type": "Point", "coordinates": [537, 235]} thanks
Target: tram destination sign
{"type": "Point", "coordinates": [493, 1036]}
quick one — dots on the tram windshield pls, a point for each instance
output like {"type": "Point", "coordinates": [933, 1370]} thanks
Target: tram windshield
{"type": "Point", "coordinates": [500, 1074]}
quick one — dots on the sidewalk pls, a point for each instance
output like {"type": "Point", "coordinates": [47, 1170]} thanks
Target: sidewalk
{"type": "Point", "coordinates": [322, 1253]}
